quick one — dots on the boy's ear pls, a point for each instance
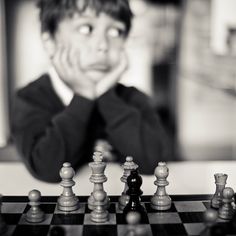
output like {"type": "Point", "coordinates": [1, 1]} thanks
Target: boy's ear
{"type": "Point", "coordinates": [49, 43]}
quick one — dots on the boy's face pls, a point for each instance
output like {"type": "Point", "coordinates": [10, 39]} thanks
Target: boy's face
{"type": "Point", "coordinates": [98, 39]}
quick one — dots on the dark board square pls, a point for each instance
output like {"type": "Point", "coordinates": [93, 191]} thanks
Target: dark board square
{"type": "Point", "coordinates": [100, 230]}
{"type": "Point", "coordinates": [114, 198]}
{"type": "Point", "coordinates": [46, 208]}
{"type": "Point", "coordinates": [151, 210]}
{"type": "Point", "coordinates": [191, 217]}
{"type": "Point", "coordinates": [145, 198]}
{"type": "Point", "coordinates": [11, 219]}
{"type": "Point", "coordinates": [49, 199]}
{"type": "Point", "coordinates": [224, 228]}
{"type": "Point", "coordinates": [31, 230]}
{"type": "Point", "coordinates": [207, 204]}
{"type": "Point", "coordinates": [67, 219]}
{"type": "Point", "coordinates": [83, 199]}
{"type": "Point", "coordinates": [15, 199]}
{"type": "Point", "coordinates": [168, 229]}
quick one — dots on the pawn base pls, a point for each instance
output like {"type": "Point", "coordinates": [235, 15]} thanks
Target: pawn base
{"type": "Point", "coordinates": [226, 214]}
{"type": "Point", "coordinates": [161, 203]}
{"type": "Point", "coordinates": [68, 204]}
{"type": "Point", "coordinates": [35, 217]}
{"type": "Point", "coordinates": [99, 217]}
{"type": "Point", "coordinates": [160, 208]}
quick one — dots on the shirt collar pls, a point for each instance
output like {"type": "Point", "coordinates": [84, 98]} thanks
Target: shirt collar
{"type": "Point", "coordinates": [62, 90]}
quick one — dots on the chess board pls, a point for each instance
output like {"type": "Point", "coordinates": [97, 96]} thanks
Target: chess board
{"type": "Point", "coordinates": [185, 217]}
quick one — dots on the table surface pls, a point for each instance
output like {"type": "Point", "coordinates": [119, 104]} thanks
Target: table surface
{"type": "Point", "coordinates": [188, 177]}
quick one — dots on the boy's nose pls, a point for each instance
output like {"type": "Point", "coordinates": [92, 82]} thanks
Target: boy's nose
{"type": "Point", "coordinates": [102, 45]}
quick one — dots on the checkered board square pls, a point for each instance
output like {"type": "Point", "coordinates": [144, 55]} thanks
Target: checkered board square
{"type": "Point", "coordinates": [185, 217]}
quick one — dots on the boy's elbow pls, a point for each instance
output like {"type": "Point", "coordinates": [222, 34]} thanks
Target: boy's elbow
{"type": "Point", "coordinates": [44, 171]}
{"type": "Point", "coordinates": [146, 169]}
{"type": "Point", "coordinates": [45, 175]}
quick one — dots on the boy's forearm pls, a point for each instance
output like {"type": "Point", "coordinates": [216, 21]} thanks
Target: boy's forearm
{"type": "Point", "coordinates": [46, 141]}
{"type": "Point", "coordinates": [135, 132]}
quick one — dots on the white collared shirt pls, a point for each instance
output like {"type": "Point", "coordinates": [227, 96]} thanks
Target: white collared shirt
{"type": "Point", "coordinates": [61, 89]}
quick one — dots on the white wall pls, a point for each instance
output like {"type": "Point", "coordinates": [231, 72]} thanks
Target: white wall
{"type": "Point", "coordinates": [4, 128]}
{"type": "Point", "coordinates": [206, 89]}
{"type": "Point", "coordinates": [29, 59]}
{"type": "Point", "coordinates": [223, 16]}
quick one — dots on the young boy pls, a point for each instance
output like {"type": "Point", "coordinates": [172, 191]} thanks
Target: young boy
{"type": "Point", "coordinates": [60, 117]}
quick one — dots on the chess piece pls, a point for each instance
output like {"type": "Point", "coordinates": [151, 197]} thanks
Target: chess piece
{"type": "Point", "coordinates": [133, 219]}
{"type": "Point", "coordinates": [57, 231]}
{"type": "Point", "coordinates": [34, 214]}
{"type": "Point", "coordinates": [99, 213]}
{"type": "Point", "coordinates": [3, 225]}
{"type": "Point", "coordinates": [161, 200]}
{"type": "Point", "coordinates": [220, 181]}
{"type": "Point", "coordinates": [104, 147]}
{"type": "Point", "coordinates": [67, 201]}
{"type": "Point", "coordinates": [226, 210]}
{"type": "Point", "coordinates": [233, 203]}
{"type": "Point", "coordinates": [134, 182]}
{"type": "Point", "coordinates": [127, 166]}
{"type": "Point", "coordinates": [97, 178]}
{"type": "Point", "coordinates": [233, 220]}
{"type": "Point", "coordinates": [210, 217]}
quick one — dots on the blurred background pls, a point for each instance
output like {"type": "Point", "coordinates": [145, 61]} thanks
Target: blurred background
{"type": "Point", "coordinates": [182, 53]}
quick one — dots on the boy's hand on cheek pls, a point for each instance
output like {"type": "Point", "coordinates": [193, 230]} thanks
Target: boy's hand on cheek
{"type": "Point", "coordinates": [113, 77]}
{"type": "Point", "coordinates": [67, 64]}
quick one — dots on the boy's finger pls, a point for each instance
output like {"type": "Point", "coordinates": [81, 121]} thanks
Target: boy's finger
{"type": "Point", "coordinates": [64, 57]}
{"type": "Point", "coordinates": [70, 57]}
{"type": "Point", "coordinates": [74, 58]}
{"type": "Point", "coordinates": [56, 56]}
{"type": "Point", "coordinates": [121, 68]}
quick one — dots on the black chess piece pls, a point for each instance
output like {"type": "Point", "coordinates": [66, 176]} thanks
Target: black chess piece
{"type": "Point", "coordinates": [218, 230]}
{"type": "Point", "coordinates": [57, 231]}
{"type": "Point", "coordinates": [134, 182]}
{"type": "Point", "coordinates": [3, 225]}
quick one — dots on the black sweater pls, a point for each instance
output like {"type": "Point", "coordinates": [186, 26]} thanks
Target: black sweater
{"type": "Point", "coordinates": [47, 133]}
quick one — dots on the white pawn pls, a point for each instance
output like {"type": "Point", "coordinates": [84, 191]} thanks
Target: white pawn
{"type": "Point", "coordinates": [133, 219]}
{"type": "Point", "coordinates": [161, 200]}
{"type": "Point", "coordinates": [67, 201]}
{"type": "Point", "coordinates": [35, 214]}
{"type": "Point", "coordinates": [3, 225]}
{"type": "Point", "coordinates": [210, 217]}
{"type": "Point", "coordinates": [99, 214]}
{"type": "Point", "coordinates": [226, 211]}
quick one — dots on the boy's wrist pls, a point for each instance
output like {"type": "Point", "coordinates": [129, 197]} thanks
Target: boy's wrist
{"type": "Point", "coordinates": [90, 95]}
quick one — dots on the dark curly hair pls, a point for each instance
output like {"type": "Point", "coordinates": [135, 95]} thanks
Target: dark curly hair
{"type": "Point", "coordinates": [53, 11]}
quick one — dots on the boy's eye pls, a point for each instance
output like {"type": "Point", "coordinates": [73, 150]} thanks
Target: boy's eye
{"type": "Point", "coordinates": [85, 29]}
{"type": "Point", "coordinates": [115, 32]}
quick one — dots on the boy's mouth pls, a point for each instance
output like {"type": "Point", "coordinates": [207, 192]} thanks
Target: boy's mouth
{"type": "Point", "coordinates": [98, 67]}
